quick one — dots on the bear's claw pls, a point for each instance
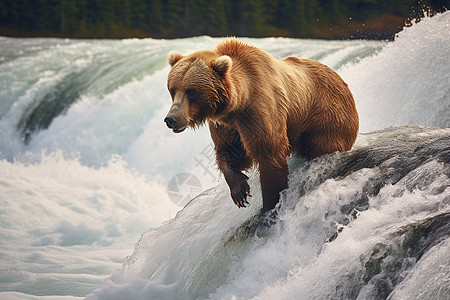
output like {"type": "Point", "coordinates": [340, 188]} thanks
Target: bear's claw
{"type": "Point", "coordinates": [242, 203]}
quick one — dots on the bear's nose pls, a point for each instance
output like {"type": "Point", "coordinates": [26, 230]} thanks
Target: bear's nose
{"type": "Point", "coordinates": [171, 121]}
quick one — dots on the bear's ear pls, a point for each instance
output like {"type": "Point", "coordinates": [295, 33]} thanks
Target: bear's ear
{"type": "Point", "coordinates": [222, 64]}
{"type": "Point", "coordinates": [174, 57]}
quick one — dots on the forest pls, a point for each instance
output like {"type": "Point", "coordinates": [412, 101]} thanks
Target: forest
{"type": "Point", "coordinates": [329, 19]}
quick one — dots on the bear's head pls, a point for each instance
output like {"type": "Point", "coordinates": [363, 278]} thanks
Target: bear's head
{"type": "Point", "coordinates": [199, 86]}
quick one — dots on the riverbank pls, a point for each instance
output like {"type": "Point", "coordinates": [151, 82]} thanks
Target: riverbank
{"type": "Point", "coordinates": [383, 27]}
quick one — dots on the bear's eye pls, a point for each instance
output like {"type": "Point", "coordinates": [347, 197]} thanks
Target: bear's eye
{"type": "Point", "coordinates": [191, 93]}
{"type": "Point", "coordinates": [172, 92]}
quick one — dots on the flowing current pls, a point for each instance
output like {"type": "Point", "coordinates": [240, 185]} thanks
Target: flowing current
{"type": "Point", "coordinates": [95, 191]}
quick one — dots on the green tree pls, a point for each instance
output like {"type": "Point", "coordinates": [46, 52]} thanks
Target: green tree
{"type": "Point", "coordinates": [155, 17]}
{"type": "Point", "coordinates": [217, 18]}
{"type": "Point", "coordinates": [307, 17]}
{"type": "Point", "coordinates": [175, 18]}
{"type": "Point", "coordinates": [138, 12]}
{"type": "Point", "coordinates": [255, 23]}
{"type": "Point", "coordinates": [174, 21]}
{"type": "Point", "coordinates": [68, 22]}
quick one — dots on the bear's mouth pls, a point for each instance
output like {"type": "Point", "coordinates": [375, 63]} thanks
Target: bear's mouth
{"type": "Point", "coordinates": [178, 130]}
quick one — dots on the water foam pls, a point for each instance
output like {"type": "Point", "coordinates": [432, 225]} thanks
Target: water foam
{"type": "Point", "coordinates": [65, 236]}
{"type": "Point", "coordinates": [408, 81]}
{"type": "Point", "coordinates": [207, 254]}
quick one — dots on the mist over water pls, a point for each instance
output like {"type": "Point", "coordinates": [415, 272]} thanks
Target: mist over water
{"type": "Point", "coordinates": [85, 163]}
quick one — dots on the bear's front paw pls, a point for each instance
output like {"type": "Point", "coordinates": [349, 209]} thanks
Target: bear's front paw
{"type": "Point", "coordinates": [239, 189]}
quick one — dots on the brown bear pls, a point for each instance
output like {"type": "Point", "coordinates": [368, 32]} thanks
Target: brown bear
{"type": "Point", "coordinates": [260, 110]}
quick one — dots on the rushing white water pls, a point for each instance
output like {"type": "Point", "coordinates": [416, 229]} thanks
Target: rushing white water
{"type": "Point", "coordinates": [86, 168]}
{"type": "Point", "coordinates": [241, 257]}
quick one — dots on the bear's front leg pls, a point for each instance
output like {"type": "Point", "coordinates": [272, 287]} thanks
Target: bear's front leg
{"type": "Point", "coordinates": [273, 177]}
{"type": "Point", "coordinates": [239, 188]}
{"type": "Point", "coordinates": [232, 159]}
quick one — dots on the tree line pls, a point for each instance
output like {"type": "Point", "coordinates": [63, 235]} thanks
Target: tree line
{"type": "Point", "coordinates": [180, 18]}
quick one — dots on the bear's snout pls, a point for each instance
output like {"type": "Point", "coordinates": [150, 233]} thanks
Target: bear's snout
{"type": "Point", "coordinates": [171, 121]}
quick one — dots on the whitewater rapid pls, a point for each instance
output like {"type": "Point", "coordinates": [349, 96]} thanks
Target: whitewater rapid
{"type": "Point", "coordinates": [387, 208]}
{"type": "Point", "coordinates": [87, 168]}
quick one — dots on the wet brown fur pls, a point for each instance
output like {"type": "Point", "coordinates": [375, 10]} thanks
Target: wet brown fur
{"type": "Point", "coordinates": [261, 109]}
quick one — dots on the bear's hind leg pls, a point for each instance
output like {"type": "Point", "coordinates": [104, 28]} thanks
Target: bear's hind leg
{"type": "Point", "coordinates": [273, 181]}
{"type": "Point", "coordinates": [320, 144]}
